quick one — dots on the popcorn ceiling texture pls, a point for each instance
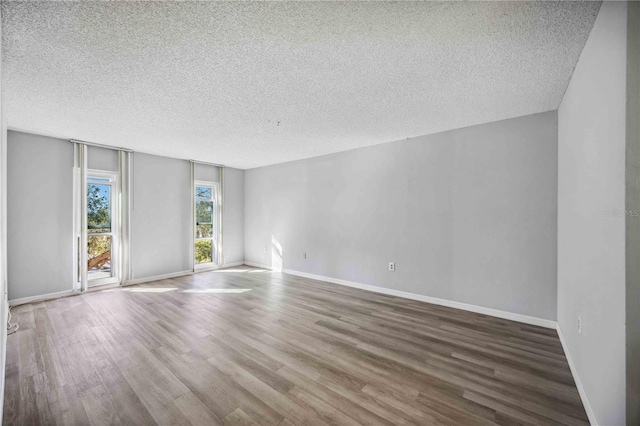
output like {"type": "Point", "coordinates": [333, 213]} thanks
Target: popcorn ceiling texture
{"type": "Point", "coordinates": [252, 84]}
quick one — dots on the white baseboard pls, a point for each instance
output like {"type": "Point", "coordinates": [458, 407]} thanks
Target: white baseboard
{"type": "Point", "coordinates": [41, 297]}
{"type": "Point", "coordinates": [257, 265]}
{"type": "Point", "coordinates": [464, 306]}
{"type": "Point", "coordinates": [232, 265]}
{"type": "Point", "coordinates": [436, 301]}
{"type": "Point", "coordinates": [49, 296]}
{"type": "Point", "coordinates": [179, 274]}
{"type": "Point", "coordinates": [157, 278]}
{"type": "Point", "coordinates": [215, 268]}
{"type": "Point", "coordinates": [574, 372]}
{"type": "Point", "coordinates": [398, 293]}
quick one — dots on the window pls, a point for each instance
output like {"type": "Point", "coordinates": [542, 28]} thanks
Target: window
{"type": "Point", "coordinates": [101, 228]}
{"type": "Point", "coordinates": [206, 221]}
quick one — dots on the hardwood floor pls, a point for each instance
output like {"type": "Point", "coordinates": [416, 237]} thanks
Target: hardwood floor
{"type": "Point", "coordinates": [264, 348]}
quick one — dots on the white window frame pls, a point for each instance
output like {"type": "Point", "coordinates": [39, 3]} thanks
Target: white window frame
{"type": "Point", "coordinates": [215, 238]}
{"type": "Point", "coordinates": [115, 225]}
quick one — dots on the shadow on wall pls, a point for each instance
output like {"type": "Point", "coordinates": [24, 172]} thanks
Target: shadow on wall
{"type": "Point", "coordinates": [276, 254]}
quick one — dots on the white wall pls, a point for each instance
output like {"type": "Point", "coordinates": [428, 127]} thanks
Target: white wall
{"type": "Point", "coordinates": [591, 241]}
{"type": "Point", "coordinates": [4, 303]}
{"type": "Point", "coordinates": [206, 172]}
{"type": "Point", "coordinates": [233, 221]}
{"type": "Point", "coordinates": [102, 159]}
{"type": "Point", "coordinates": [160, 216]}
{"type": "Point", "coordinates": [39, 215]}
{"type": "Point", "coordinates": [468, 215]}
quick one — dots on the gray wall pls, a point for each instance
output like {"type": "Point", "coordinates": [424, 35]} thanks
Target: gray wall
{"type": "Point", "coordinates": [468, 215]}
{"type": "Point", "coordinates": [40, 215]}
{"type": "Point", "coordinates": [633, 222]}
{"type": "Point", "coordinates": [206, 172]}
{"type": "Point", "coordinates": [102, 159]}
{"type": "Point", "coordinates": [233, 221]}
{"type": "Point", "coordinates": [160, 216]}
{"type": "Point", "coordinates": [4, 305]}
{"type": "Point", "coordinates": [591, 219]}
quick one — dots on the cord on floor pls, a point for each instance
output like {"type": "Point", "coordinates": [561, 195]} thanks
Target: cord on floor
{"type": "Point", "coordinates": [11, 328]}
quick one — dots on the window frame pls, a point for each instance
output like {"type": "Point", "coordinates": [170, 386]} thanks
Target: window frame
{"type": "Point", "coordinates": [99, 176]}
{"type": "Point", "coordinates": [215, 231]}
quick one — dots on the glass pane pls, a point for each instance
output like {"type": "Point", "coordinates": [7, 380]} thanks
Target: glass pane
{"type": "Point", "coordinates": [203, 193]}
{"type": "Point", "coordinates": [203, 251]}
{"type": "Point", "coordinates": [204, 231]}
{"type": "Point", "coordinates": [99, 256]}
{"type": "Point", "coordinates": [98, 208]}
{"type": "Point", "coordinates": [204, 212]}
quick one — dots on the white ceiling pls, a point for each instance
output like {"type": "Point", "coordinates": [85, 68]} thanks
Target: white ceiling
{"type": "Point", "coordinates": [252, 84]}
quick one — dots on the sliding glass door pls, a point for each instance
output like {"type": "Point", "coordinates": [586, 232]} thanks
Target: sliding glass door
{"type": "Point", "coordinates": [206, 250]}
{"type": "Point", "coordinates": [102, 226]}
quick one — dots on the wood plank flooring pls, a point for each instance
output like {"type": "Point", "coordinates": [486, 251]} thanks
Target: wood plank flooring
{"type": "Point", "coordinates": [251, 347]}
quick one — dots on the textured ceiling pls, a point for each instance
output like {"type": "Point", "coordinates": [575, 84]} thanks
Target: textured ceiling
{"type": "Point", "coordinates": [252, 84]}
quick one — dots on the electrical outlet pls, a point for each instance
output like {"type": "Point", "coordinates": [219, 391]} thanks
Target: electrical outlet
{"type": "Point", "coordinates": [392, 266]}
{"type": "Point", "coordinates": [265, 249]}
{"type": "Point", "coordinates": [304, 255]}
{"type": "Point", "coordinates": [579, 325]}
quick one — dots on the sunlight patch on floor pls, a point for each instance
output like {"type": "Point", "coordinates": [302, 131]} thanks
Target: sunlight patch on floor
{"type": "Point", "coordinates": [150, 289]}
{"type": "Point", "coordinates": [217, 290]}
